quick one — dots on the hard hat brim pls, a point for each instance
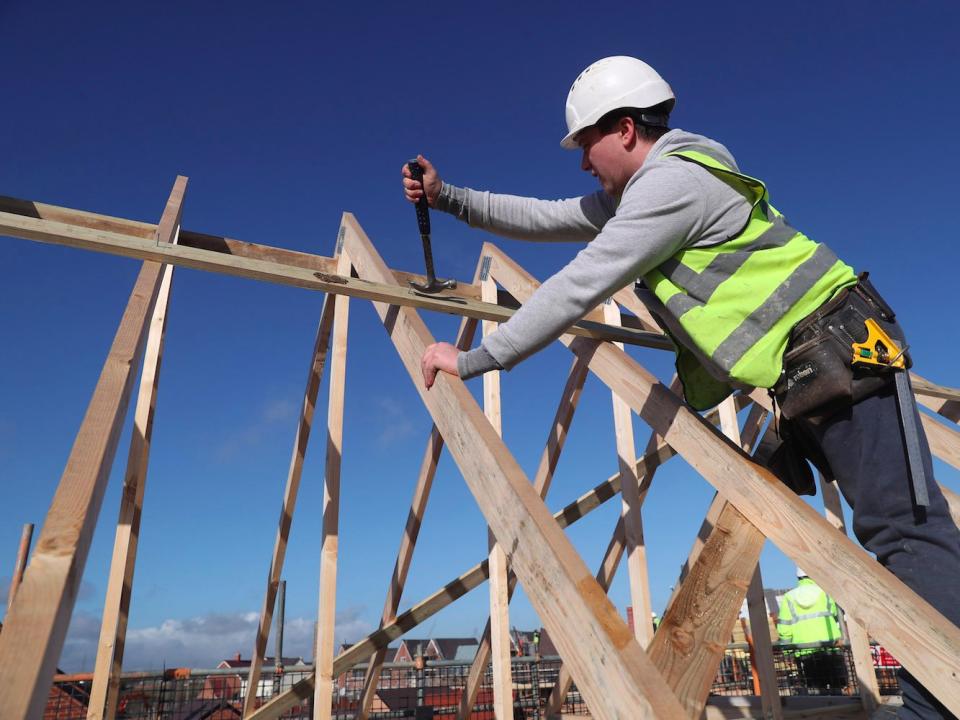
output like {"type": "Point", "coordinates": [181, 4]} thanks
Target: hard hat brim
{"type": "Point", "coordinates": [569, 142]}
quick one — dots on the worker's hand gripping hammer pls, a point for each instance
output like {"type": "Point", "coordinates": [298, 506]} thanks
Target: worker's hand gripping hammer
{"type": "Point", "coordinates": [423, 221]}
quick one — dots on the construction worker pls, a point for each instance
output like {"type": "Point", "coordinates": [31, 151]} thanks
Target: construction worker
{"type": "Point", "coordinates": [808, 615]}
{"type": "Point", "coordinates": [748, 300]}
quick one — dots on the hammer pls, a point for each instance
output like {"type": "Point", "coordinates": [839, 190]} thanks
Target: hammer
{"type": "Point", "coordinates": [433, 285]}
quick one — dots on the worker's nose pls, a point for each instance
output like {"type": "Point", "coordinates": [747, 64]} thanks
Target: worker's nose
{"type": "Point", "coordinates": [585, 162]}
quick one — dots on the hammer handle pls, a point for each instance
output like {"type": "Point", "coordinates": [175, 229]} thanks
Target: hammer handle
{"type": "Point", "coordinates": [423, 209]}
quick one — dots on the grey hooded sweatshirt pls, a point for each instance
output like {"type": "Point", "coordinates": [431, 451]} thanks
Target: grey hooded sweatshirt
{"type": "Point", "coordinates": [667, 205]}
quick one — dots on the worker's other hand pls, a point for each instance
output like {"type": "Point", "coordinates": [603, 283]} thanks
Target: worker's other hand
{"type": "Point", "coordinates": [431, 182]}
{"type": "Point", "coordinates": [437, 357]}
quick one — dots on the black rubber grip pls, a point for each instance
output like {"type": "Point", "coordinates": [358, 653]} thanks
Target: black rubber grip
{"type": "Point", "coordinates": [423, 208]}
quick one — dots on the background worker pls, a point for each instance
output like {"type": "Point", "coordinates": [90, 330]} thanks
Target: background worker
{"type": "Point", "coordinates": [808, 615]}
{"type": "Point", "coordinates": [748, 300]}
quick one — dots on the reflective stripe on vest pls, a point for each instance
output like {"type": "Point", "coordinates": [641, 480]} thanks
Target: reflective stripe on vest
{"type": "Point", "coordinates": [809, 627]}
{"type": "Point", "coordinates": [800, 617]}
{"type": "Point", "coordinates": [738, 299]}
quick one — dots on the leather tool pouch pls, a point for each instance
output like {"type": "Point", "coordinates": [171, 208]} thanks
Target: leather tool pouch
{"type": "Point", "coordinates": [818, 377]}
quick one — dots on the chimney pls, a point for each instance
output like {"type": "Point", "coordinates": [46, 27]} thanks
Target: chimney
{"type": "Point", "coordinates": [238, 657]}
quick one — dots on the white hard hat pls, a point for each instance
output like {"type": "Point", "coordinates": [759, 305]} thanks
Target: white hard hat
{"type": "Point", "coordinates": [608, 84]}
{"type": "Point", "coordinates": [801, 573]}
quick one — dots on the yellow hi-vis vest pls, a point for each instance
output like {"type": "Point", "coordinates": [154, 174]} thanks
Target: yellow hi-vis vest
{"type": "Point", "coordinates": [738, 299]}
{"type": "Point", "coordinates": [808, 615]}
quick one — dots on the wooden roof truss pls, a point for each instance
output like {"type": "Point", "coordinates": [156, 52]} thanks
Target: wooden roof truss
{"type": "Point", "coordinates": [620, 674]}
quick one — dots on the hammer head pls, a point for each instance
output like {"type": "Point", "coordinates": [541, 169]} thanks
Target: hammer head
{"type": "Point", "coordinates": [433, 285]}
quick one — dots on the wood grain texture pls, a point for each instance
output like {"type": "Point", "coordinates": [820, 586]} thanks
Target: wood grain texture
{"type": "Point", "coordinates": [453, 590]}
{"type": "Point", "coordinates": [291, 490]}
{"type": "Point", "coordinates": [556, 438]}
{"type": "Point", "coordinates": [50, 231]}
{"type": "Point", "coordinates": [580, 618]}
{"type": "Point", "coordinates": [36, 625]}
{"type": "Point", "coordinates": [859, 641]}
{"type": "Point", "coordinates": [762, 647]}
{"type": "Point", "coordinates": [944, 441]}
{"type": "Point", "coordinates": [23, 551]}
{"type": "Point", "coordinates": [631, 510]}
{"type": "Point", "coordinates": [499, 622]}
{"type": "Point", "coordinates": [605, 575]}
{"type": "Point", "coordinates": [926, 643]}
{"type": "Point", "coordinates": [697, 625]}
{"type": "Point", "coordinates": [329, 550]}
{"type": "Point", "coordinates": [408, 539]}
{"type": "Point", "coordinates": [104, 693]}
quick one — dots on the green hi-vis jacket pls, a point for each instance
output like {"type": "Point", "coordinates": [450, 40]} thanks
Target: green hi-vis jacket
{"type": "Point", "coordinates": [738, 299]}
{"type": "Point", "coordinates": [808, 615]}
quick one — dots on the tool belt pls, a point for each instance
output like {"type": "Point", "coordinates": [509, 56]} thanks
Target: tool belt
{"type": "Point", "coordinates": [819, 378]}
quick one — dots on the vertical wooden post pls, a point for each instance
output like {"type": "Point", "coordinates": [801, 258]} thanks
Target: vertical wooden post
{"type": "Point", "coordinates": [326, 612]}
{"type": "Point", "coordinates": [116, 606]}
{"type": "Point", "coordinates": [36, 627]}
{"type": "Point", "coordinates": [301, 441]}
{"type": "Point", "coordinates": [763, 648]}
{"type": "Point", "coordinates": [22, 552]}
{"type": "Point", "coordinates": [278, 631]}
{"type": "Point", "coordinates": [859, 641]}
{"type": "Point", "coordinates": [499, 594]}
{"type": "Point", "coordinates": [756, 604]}
{"type": "Point", "coordinates": [631, 505]}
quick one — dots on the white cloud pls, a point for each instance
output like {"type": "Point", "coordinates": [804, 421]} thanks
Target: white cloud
{"type": "Point", "coordinates": [277, 412]}
{"type": "Point", "coordinates": [395, 425]}
{"type": "Point", "coordinates": [201, 642]}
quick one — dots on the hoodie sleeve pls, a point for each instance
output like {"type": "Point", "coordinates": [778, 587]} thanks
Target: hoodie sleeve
{"type": "Point", "coordinates": [661, 211]}
{"type": "Point", "coordinates": [521, 218]}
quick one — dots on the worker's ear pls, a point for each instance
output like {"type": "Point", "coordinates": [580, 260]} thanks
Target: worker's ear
{"type": "Point", "coordinates": [628, 132]}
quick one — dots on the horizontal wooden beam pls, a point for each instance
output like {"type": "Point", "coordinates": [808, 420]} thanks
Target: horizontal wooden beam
{"type": "Point", "coordinates": [922, 386]}
{"type": "Point", "coordinates": [254, 251]}
{"type": "Point", "coordinates": [58, 233]}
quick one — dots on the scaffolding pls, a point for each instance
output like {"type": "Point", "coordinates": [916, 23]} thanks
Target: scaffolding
{"type": "Point", "coordinates": [408, 690]}
{"type": "Point", "coordinates": [618, 673]}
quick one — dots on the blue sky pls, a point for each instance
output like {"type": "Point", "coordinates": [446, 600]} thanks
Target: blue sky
{"type": "Point", "coordinates": [283, 116]}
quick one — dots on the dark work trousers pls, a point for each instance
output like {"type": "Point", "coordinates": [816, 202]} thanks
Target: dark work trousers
{"type": "Point", "coordinates": [865, 450]}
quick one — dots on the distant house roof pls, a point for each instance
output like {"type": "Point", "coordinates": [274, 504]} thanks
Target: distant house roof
{"type": "Point", "coordinates": [238, 662]}
{"type": "Point", "coordinates": [466, 653]}
{"type": "Point", "coordinates": [449, 647]}
{"type": "Point", "coordinates": [412, 643]}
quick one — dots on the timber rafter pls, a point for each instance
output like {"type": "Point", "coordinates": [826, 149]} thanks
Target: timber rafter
{"type": "Point", "coordinates": [669, 678]}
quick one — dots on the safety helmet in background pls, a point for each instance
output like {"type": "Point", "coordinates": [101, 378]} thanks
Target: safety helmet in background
{"type": "Point", "coordinates": [801, 573]}
{"type": "Point", "coordinates": [608, 84]}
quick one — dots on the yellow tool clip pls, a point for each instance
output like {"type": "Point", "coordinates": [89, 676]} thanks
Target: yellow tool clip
{"type": "Point", "coordinates": [878, 348]}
